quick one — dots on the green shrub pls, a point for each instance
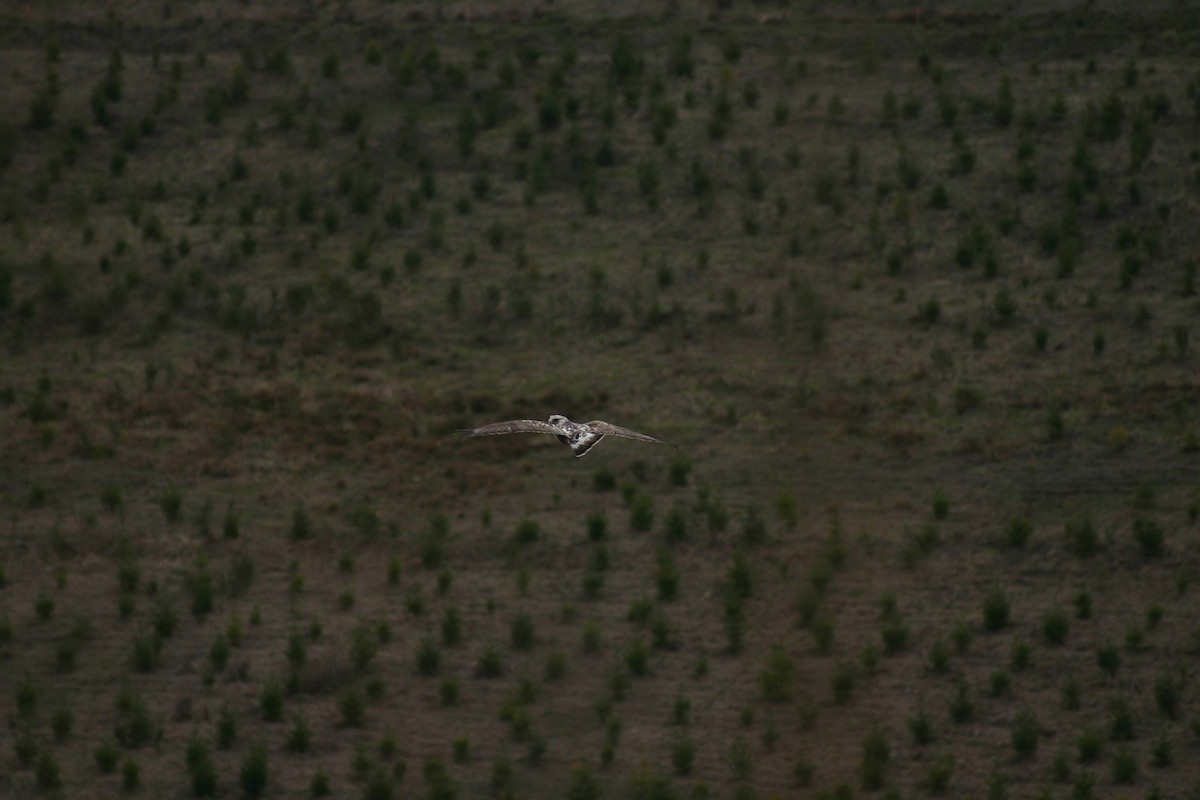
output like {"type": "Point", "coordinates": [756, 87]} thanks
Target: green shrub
{"type": "Point", "coordinates": [231, 527]}
{"type": "Point", "coordinates": [47, 772]}
{"type": "Point", "coordinates": [491, 663]}
{"type": "Point", "coordinates": [1166, 695]}
{"type": "Point", "coordinates": [962, 707]}
{"type": "Point", "coordinates": [1018, 531]}
{"type": "Point", "coordinates": [1003, 109]}
{"type": "Point", "coordinates": [876, 752]}
{"type": "Point", "coordinates": [593, 583]}
{"type": "Point", "coordinates": [299, 737]}
{"type": "Point", "coordinates": [432, 544]}
{"type": "Point", "coordinates": [920, 727]}
{"type": "Point", "coordinates": [429, 659]}
{"type": "Point", "coordinates": [641, 512]}
{"type": "Point", "coordinates": [106, 755]}
{"type": "Point", "coordinates": [734, 623]}
{"type": "Point", "coordinates": [301, 525]}
{"type": "Point", "coordinates": [254, 773]}
{"type": "Point", "coordinates": [226, 728]}
{"type": "Point", "coordinates": [667, 576]}
{"type": "Point", "coordinates": [61, 723]}
{"type": "Point", "coordinates": [995, 610]}
{"type": "Point", "coordinates": [777, 676]}
{"type": "Point", "coordinates": [637, 658]}
{"type": "Point", "coordinates": [218, 653]}
{"type": "Point", "coordinates": [754, 529]}
{"type": "Point", "coordinates": [25, 746]}
{"type": "Point", "coordinates": [683, 755]}
{"type": "Point", "coordinates": [1055, 626]}
{"type": "Point", "coordinates": [1160, 753]}
{"type": "Point", "coordinates": [527, 531]}
{"type": "Point", "coordinates": [1108, 658]}
{"type": "Point", "coordinates": [939, 657]}
{"type": "Point", "coordinates": [448, 691]}
{"type": "Point", "coordinates": [1083, 605]}
{"type": "Point", "coordinates": [640, 610]}
{"type": "Point", "coordinates": [681, 467]}
{"type": "Point", "coordinates": [135, 724]}
{"type": "Point", "coordinates": [555, 667]}
{"type": "Point", "coordinates": [843, 683]}
{"type": "Point", "coordinates": [202, 585]}
{"type": "Point", "coordinates": [271, 701]}
{"type": "Point", "coordinates": [895, 636]}
{"type": "Point", "coordinates": [1124, 767]}
{"type": "Point", "coordinates": [522, 631]}
{"type": "Point", "coordinates": [941, 505]}
{"type": "Point", "coordinates": [822, 630]}
{"type": "Point", "coordinates": [43, 606]}
{"type": "Point", "coordinates": [1025, 734]}
{"type": "Point", "coordinates": [1006, 307]}
{"type": "Point", "coordinates": [201, 768]}
{"type": "Point", "coordinates": [675, 525]}
{"type": "Point", "coordinates": [297, 651]}
{"type": "Point", "coordinates": [146, 650]}
{"type": "Point", "coordinates": [171, 503]}
{"type": "Point", "coordinates": [1120, 721]}
{"type": "Point", "coordinates": [352, 705]}
{"type": "Point", "coordinates": [131, 775]}
{"type": "Point", "coordinates": [451, 628]}
{"type": "Point", "coordinates": [1000, 683]}
{"type": "Point", "coordinates": [1150, 537]}
{"type": "Point", "coordinates": [930, 311]}
{"type": "Point", "coordinates": [597, 526]}
{"type": "Point", "coordinates": [319, 785]}
{"type": "Point", "coordinates": [1081, 535]}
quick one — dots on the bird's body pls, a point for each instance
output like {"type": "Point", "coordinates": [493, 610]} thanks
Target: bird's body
{"type": "Point", "coordinates": [579, 436]}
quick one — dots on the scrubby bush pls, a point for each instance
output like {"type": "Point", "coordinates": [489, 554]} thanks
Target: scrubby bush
{"type": "Point", "coordinates": [299, 737]}
{"type": "Point", "coordinates": [1055, 626]}
{"type": "Point", "coordinates": [876, 752]}
{"type": "Point", "coordinates": [429, 658]}
{"type": "Point", "coordinates": [1150, 537]}
{"type": "Point", "coordinates": [1026, 732]}
{"type": "Point", "coordinates": [920, 727]}
{"type": "Point", "coordinates": [995, 610]}
{"type": "Point", "coordinates": [641, 512]}
{"type": "Point", "coordinates": [1081, 536]}
{"type": "Point", "coordinates": [171, 503]}
{"type": "Point", "coordinates": [1017, 532]}
{"type": "Point", "coordinates": [1108, 658]}
{"type": "Point", "coordinates": [522, 631]}
{"type": "Point", "coordinates": [490, 663]}
{"type": "Point", "coordinates": [352, 705]}
{"type": "Point", "coordinates": [254, 772]}
{"type": "Point", "coordinates": [777, 676]}
{"type": "Point", "coordinates": [271, 701]}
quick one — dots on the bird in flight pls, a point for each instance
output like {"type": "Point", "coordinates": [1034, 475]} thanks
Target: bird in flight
{"type": "Point", "coordinates": [580, 436]}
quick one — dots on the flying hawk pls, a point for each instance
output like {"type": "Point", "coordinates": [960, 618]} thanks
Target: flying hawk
{"type": "Point", "coordinates": [581, 436]}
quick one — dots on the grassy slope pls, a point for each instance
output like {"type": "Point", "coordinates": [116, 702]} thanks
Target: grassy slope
{"type": "Point", "coordinates": [186, 313]}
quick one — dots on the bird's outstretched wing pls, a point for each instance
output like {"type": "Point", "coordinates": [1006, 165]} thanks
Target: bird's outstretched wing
{"type": "Point", "coordinates": [511, 426]}
{"type": "Point", "coordinates": [608, 429]}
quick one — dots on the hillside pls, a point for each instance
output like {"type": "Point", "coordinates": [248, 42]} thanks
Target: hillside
{"type": "Point", "coordinates": [913, 292]}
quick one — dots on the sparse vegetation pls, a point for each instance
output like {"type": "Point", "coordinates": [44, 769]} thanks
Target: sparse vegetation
{"type": "Point", "coordinates": [194, 321]}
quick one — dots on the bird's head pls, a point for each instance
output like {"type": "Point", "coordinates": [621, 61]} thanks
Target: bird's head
{"type": "Point", "coordinates": [557, 419]}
